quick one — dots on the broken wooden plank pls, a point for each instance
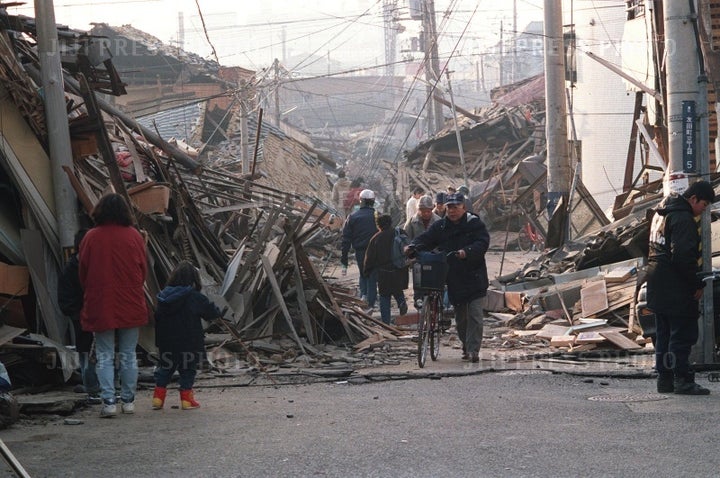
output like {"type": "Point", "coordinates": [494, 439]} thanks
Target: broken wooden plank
{"type": "Point", "coordinates": [550, 330]}
{"type": "Point", "coordinates": [279, 297]}
{"type": "Point", "coordinates": [589, 338]}
{"type": "Point", "coordinates": [312, 272]}
{"type": "Point", "coordinates": [310, 331]}
{"type": "Point", "coordinates": [593, 297]}
{"type": "Point", "coordinates": [621, 341]}
{"type": "Point", "coordinates": [562, 341]}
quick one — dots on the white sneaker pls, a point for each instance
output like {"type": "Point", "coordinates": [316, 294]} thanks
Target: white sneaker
{"type": "Point", "coordinates": [128, 408]}
{"type": "Point", "coordinates": [108, 410]}
{"type": "Point", "coordinates": [364, 298]}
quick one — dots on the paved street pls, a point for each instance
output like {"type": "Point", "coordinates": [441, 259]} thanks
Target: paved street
{"type": "Point", "coordinates": [551, 416]}
{"type": "Point", "coordinates": [509, 423]}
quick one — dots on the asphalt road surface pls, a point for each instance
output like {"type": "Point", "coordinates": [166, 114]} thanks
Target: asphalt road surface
{"type": "Point", "coordinates": [528, 423]}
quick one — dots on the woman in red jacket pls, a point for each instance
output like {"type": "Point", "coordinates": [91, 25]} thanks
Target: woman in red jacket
{"type": "Point", "coordinates": [112, 271]}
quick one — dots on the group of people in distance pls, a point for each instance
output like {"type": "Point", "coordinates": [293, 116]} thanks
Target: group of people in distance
{"type": "Point", "coordinates": [444, 224]}
{"type": "Point", "coordinates": [102, 290]}
{"type": "Point", "coordinates": [448, 225]}
{"type": "Point", "coordinates": [346, 193]}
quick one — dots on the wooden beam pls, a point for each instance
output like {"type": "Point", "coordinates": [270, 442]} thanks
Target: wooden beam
{"type": "Point", "coordinates": [310, 269]}
{"type": "Point", "coordinates": [279, 297]}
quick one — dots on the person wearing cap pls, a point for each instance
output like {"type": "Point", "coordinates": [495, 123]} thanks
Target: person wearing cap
{"type": "Point", "coordinates": [673, 287]}
{"type": "Point", "coordinates": [411, 205]}
{"type": "Point", "coordinates": [358, 229]}
{"type": "Point", "coordinates": [440, 204]}
{"type": "Point", "coordinates": [422, 220]}
{"type": "Point", "coordinates": [465, 236]}
{"type": "Point", "coordinates": [465, 191]}
{"type": "Point", "coordinates": [340, 190]}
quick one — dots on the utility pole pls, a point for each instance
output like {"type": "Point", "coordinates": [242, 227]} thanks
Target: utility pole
{"type": "Point", "coordinates": [502, 57]}
{"type": "Point", "coordinates": [558, 159]}
{"type": "Point", "coordinates": [435, 57]}
{"type": "Point", "coordinates": [427, 48]}
{"type": "Point", "coordinates": [391, 33]}
{"type": "Point", "coordinates": [181, 30]}
{"type": "Point", "coordinates": [682, 75]}
{"type": "Point", "coordinates": [686, 103]}
{"type": "Point", "coordinates": [57, 124]}
{"type": "Point", "coordinates": [276, 64]}
{"type": "Point", "coordinates": [432, 64]}
{"type": "Point", "coordinates": [514, 43]}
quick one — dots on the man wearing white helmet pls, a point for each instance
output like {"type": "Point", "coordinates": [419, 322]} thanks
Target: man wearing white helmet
{"type": "Point", "coordinates": [359, 227]}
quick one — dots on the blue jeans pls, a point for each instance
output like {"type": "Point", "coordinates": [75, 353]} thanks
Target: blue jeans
{"type": "Point", "coordinates": [105, 350]}
{"type": "Point", "coordinates": [186, 363]}
{"type": "Point", "coordinates": [368, 284]}
{"type": "Point", "coordinates": [385, 305]}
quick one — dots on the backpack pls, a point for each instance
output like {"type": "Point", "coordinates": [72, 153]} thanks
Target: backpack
{"type": "Point", "coordinates": [399, 242]}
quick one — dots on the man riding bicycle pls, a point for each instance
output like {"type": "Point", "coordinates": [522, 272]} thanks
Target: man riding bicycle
{"type": "Point", "coordinates": [467, 279]}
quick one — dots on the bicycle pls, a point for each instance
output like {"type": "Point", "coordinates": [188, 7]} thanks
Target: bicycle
{"type": "Point", "coordinates": [429, 274]}
{"type": "Point", "coordinates": [530, 238]}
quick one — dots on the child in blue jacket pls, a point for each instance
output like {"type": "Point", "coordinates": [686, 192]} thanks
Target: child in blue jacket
{"type": "Point", "coordinates": [179, 333]}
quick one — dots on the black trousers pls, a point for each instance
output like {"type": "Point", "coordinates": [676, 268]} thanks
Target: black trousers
{"type": "Point", "coordinates": [675, 337]}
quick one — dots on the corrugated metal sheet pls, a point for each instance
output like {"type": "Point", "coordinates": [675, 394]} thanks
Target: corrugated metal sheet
{"type": "Point", "coordinates": [175, 123]}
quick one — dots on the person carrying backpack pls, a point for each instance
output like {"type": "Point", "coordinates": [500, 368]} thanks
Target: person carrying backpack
{"type": "Point", "coordinates": [392, 271]}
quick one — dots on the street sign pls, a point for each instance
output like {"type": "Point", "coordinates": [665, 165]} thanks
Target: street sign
{"type": "Point", "coordinates": [689, 146]}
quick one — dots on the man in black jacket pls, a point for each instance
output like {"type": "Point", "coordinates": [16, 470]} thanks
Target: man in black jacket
{"type": "Point", "coordinates": [673, 287]}
{"type": "Point", "coordinates": [359, 227]}
{"type": "Point", "coordinates": [467, 280]}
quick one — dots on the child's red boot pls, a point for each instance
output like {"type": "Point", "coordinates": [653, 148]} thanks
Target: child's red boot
{"type": "Point", "coordinates": [159, 398]}
{"type": "Point", "coordinates": [187, 400]}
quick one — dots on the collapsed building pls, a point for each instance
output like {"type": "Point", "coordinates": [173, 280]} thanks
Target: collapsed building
{"type": "Point", "coordinates": [258, 235]}
{"type": "Point", "coordinates": [246, 201]}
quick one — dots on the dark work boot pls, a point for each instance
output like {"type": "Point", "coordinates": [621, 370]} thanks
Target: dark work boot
{"type": "Point", "coordinates": [665, 382]}
{"type": "Point", "coordinates": [685, 385]}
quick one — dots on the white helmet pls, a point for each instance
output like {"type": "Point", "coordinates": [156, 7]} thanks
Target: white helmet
{"type": "Point", "coordinates": [367, 194]}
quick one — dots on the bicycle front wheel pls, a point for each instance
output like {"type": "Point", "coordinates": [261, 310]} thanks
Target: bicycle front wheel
{"type": "Point", "coordinates": [434, 306]}
{"type": "Point", "coordinates": [423, 333]}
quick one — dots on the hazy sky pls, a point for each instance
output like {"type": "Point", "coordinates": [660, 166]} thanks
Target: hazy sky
{"type": "Point", "coordinates": [250, 33]}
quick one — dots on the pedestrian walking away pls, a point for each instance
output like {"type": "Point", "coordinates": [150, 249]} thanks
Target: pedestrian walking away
{"type": "Point", "coordinates": [340, 190]}
{"type": "Point", "coordinates": [673, 287]}
{"type": "Point", "coordinates": [358, 229]}
{"type": "Point", "coordinates": [464, 234]}
{"type": "Point", "coordinates": [112, 269]}
{"type": "Point", "coordinates": [179, 333]}
{"type": "Point", "coordinates": [392, 278]}
{"type": "Point", "coordinates": [351, 202]}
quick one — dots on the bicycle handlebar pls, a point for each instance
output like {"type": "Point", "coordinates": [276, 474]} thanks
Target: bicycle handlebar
{"type": "Point", "coordinates": [709, 275]}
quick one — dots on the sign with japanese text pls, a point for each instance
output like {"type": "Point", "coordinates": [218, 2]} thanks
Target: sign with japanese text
{"type": "Point", "coordinates": [689, 146]}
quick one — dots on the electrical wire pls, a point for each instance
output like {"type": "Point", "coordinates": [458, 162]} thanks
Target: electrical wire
{"type": "Point", "coordinates": [207, 36]}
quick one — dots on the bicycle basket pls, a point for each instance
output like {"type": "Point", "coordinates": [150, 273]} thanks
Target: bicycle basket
{"type": "Point", "coordinates": [430, 271]}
